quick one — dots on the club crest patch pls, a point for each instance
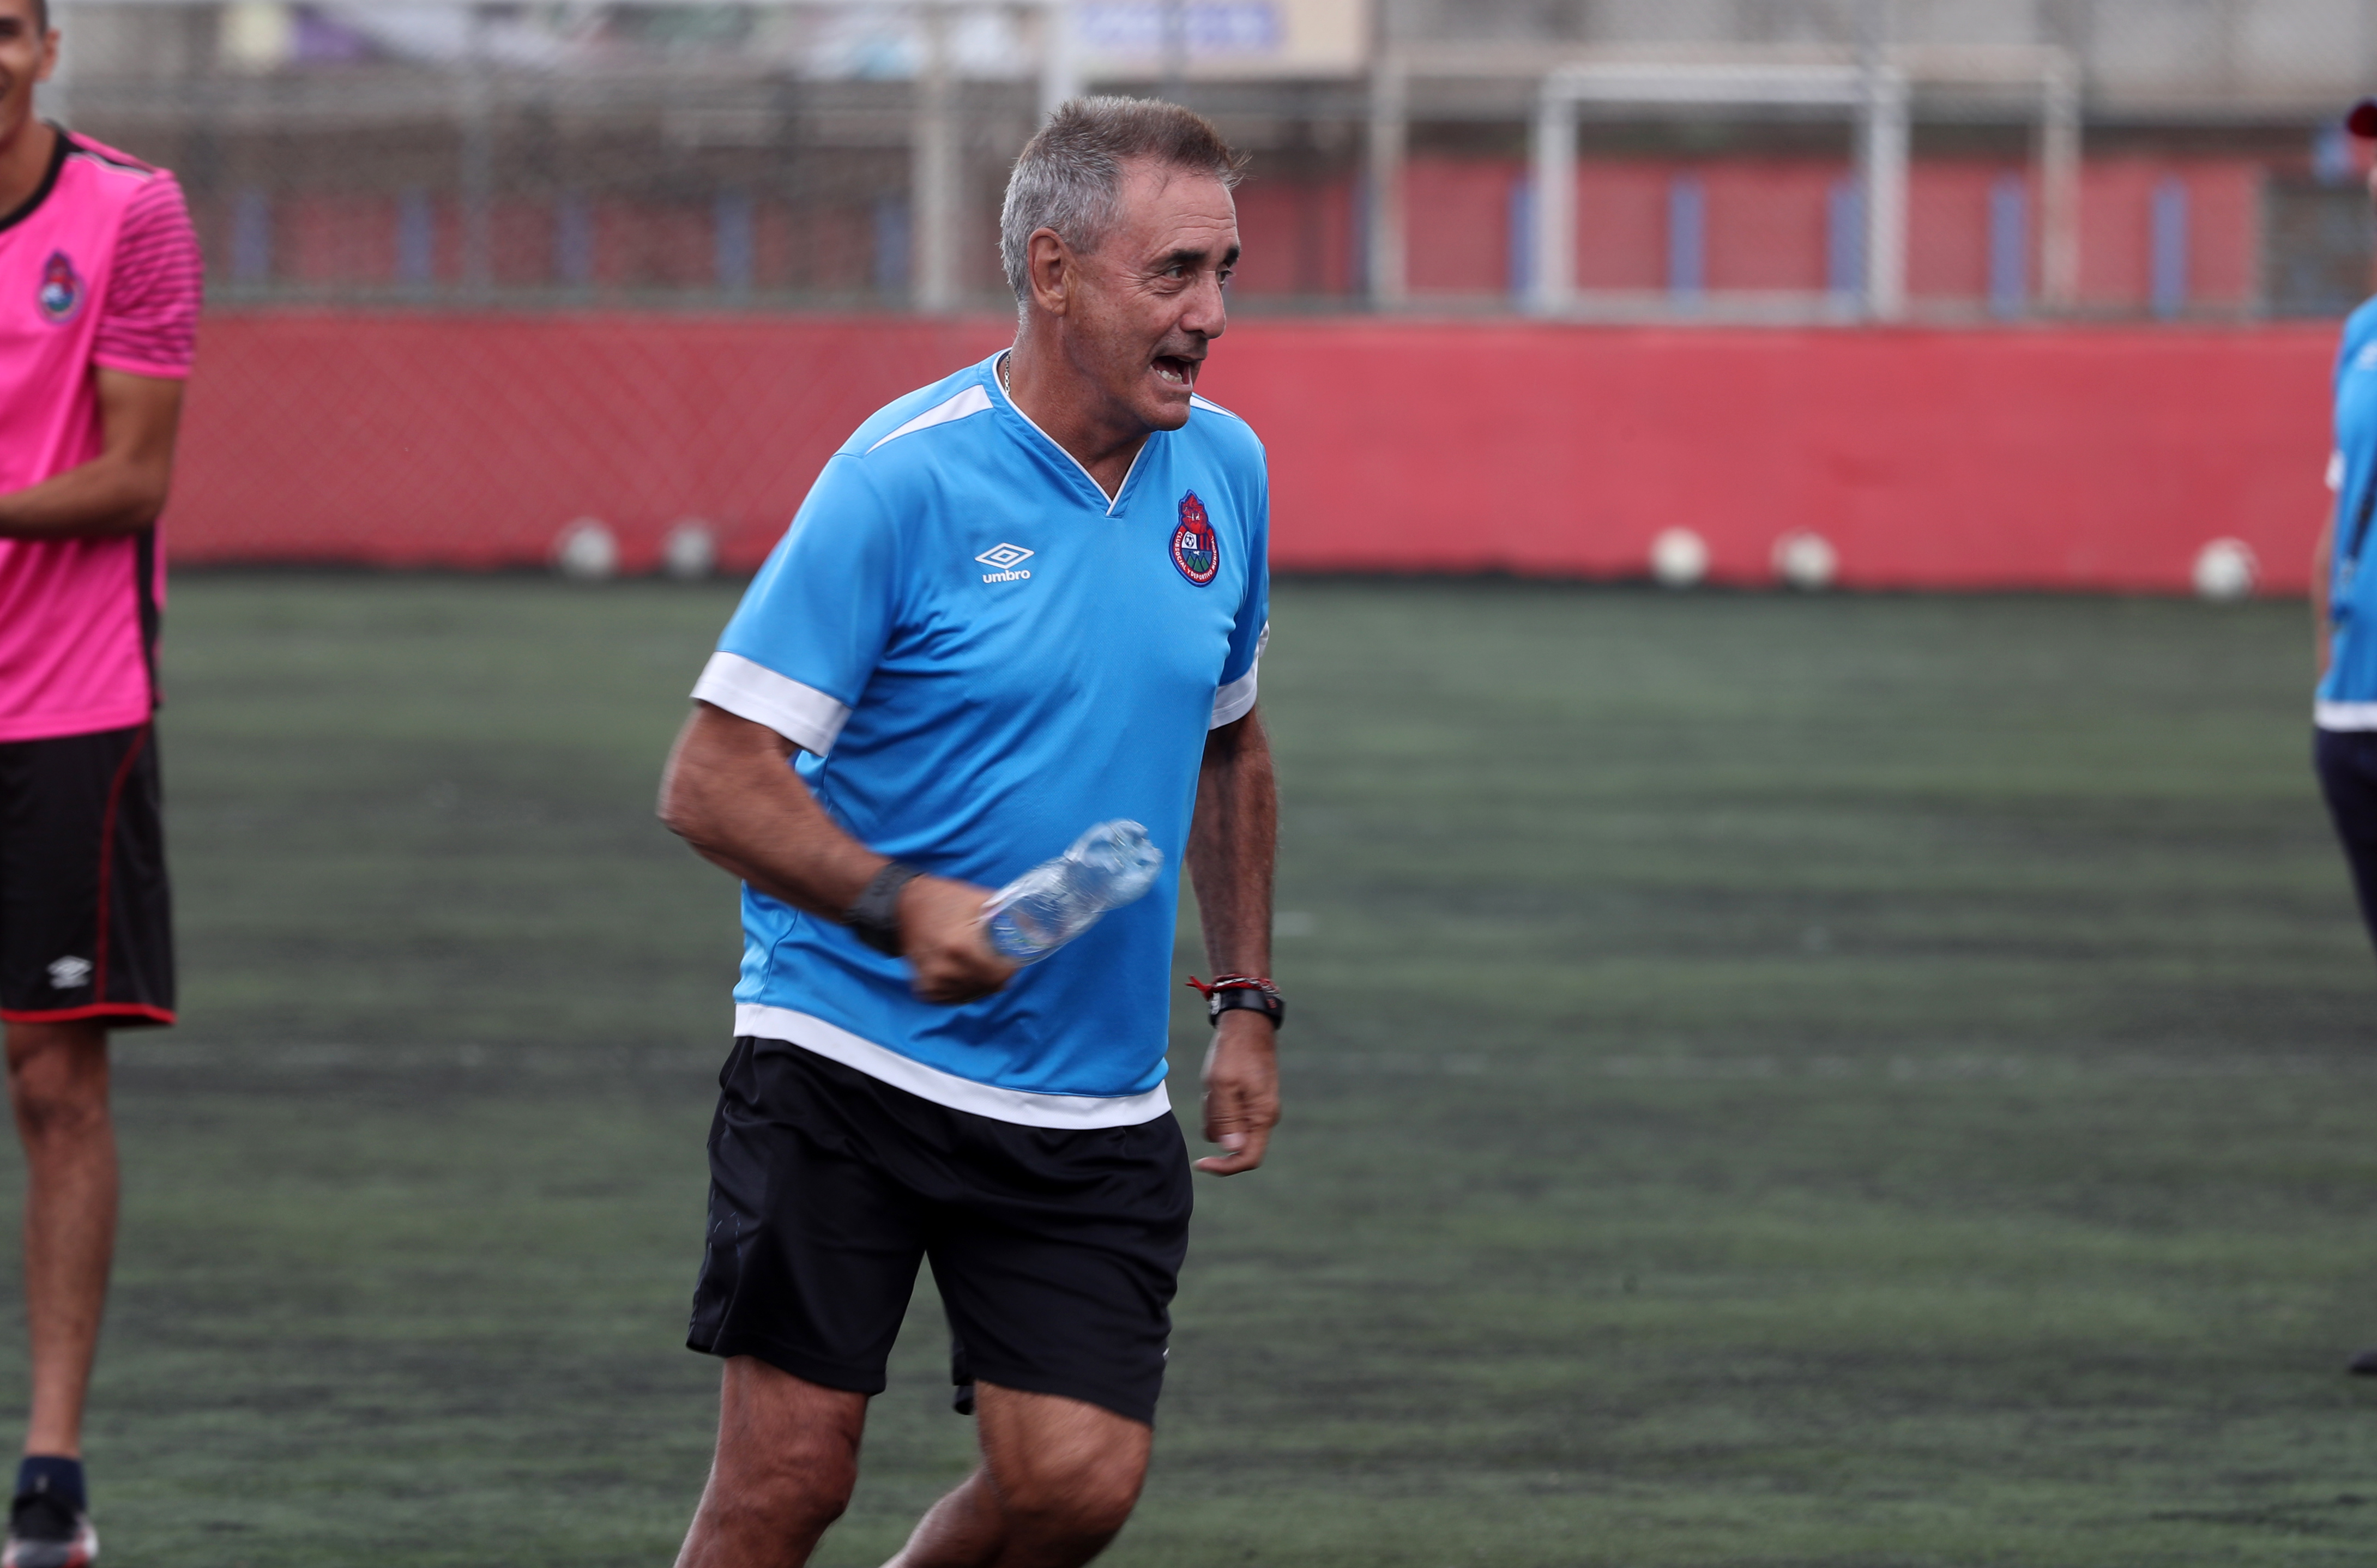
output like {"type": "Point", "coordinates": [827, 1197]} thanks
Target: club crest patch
{"type": "Point", "coordinates": [61, 293]}
{"type": "Point", "coordinates": [1194, 549]}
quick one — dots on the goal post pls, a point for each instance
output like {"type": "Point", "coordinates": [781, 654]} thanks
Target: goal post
{"type": "Point", "coordinates": [1876, 92]}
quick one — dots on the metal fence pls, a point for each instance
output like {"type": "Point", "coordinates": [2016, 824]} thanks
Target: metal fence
{"type": "Point", "coordinates": [1690, 160]}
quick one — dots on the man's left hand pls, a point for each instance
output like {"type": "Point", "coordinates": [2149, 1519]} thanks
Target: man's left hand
{"type": "Point", "coordinates": [1241, 1091]}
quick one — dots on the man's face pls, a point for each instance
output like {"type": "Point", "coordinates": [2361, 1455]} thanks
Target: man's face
{"type": "Point", "coordinates": [1149, 299]}
{"type": "Point", "coordinates": [26, 55]}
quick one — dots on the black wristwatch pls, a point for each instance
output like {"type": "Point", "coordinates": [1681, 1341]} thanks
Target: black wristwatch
{"type": "Point", "coordinates": [1254, 994]}
{"type": "Point", "coordinates": [874, 918]}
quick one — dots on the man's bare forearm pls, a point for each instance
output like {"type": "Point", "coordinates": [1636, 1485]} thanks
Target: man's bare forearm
{"type": "Point", "coordinates": [1232, 844]}
{"type": "Point", "coordinates": [731, 792]}
{"type": "Point", "coordinates": [120, 491]}
{"type": "Point", "coordinates": [102, 497]}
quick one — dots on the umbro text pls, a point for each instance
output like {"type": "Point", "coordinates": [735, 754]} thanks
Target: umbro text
{"type": "Point", "coordinates": [1004, 576]}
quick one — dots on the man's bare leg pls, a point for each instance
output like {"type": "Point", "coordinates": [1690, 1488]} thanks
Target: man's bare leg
{"type": "Point", "coordinates": [58, 1081]}
{"type": "Point", "coordinates": [1057, 1482]}
{"type": "Point", "coordinates": [787, 1458]}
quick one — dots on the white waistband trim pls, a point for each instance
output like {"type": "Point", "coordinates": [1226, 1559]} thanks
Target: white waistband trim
{"type": "Point", "coordinates": [2345, 715]}
{"type": "Point", "coordinates": [1019, 1106]}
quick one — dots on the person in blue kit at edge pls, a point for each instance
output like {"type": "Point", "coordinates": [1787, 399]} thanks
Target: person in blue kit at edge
{"type": "Point", "coordinates": [1025, 600]}
{"type": "Point", "coordinates": [2344, 610]}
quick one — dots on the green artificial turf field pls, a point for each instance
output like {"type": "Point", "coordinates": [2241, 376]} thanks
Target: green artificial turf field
{"type": "Point", "coordinates": [1774, 1080]}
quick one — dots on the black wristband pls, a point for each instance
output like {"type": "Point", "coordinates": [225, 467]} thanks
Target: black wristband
{"type": "Point", "coordinates": [874, 918]}
{"type": "Point", "coordinates": [1250, 993]}
{"type": "Point", "coordinates": [1270, 1003]}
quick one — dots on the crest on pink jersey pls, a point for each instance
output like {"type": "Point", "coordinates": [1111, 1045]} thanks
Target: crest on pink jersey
{"type": "Point", "coordinates": [62, 288]}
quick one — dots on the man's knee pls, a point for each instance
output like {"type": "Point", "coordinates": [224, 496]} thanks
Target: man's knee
{"type": "Point", "coordinates": [818, 1467]}
{"type": "Point", "coordinates": [57, 1078]}
{"type": "Point", "coordinates": [787, 1500]}
{"type": "Point", "coordinates": [1090, 1510]}
{"type": "Point", "coordinates": [787, 1450]}
{"type": "Point", "coordinates": [1072, 1493]}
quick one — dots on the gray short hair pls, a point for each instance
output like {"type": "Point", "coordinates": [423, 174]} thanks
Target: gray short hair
{"type": "Point", "coordinates": [1069, 177]}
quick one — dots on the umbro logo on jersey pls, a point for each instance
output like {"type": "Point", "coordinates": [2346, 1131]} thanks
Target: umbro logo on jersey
{"type": "Point", "coordinates": [61, 292]}
{"type": "Point", "coordinates": [1005, 559]}
{"type": "Point", "coordinates": [69, 974]}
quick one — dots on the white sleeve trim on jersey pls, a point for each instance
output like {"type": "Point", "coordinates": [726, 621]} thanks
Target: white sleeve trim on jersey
{"type": "Point", "coordinates": [2352, 716]}
{"type": "Point", "coordinates": [1198, 400]}
{"type": "Point", "coordinates": [2335, 471]}
{"type": "Point", "coordinates": [1019, 1106]}
{"type": "Point", "coordinates": [802, 715]}
{"type": "Point", "coordinates": [972, 400]}
{"type": "Point", "coordinates": [1234, 701]}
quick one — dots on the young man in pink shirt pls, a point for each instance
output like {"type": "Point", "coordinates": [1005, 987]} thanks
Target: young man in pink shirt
{"type": "Point", "coordinates": [99, 284]}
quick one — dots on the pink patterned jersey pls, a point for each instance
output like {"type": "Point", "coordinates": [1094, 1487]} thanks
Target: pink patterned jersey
{"type": "Point", "coordinates": [99, 269]}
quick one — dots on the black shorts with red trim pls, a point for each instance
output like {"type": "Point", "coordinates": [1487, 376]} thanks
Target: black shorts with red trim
{"type": "Point", "coordinates": [1055, 1250]}
{"type": "Point", "coordinates": [85, 918]}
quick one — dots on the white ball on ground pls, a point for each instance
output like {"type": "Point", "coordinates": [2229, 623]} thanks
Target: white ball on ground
{"type": "Point", "coordinates": [690, 552]}
{"type": "Point", "coordinates": [2226, 570]}
{"type": "Point", "coordinates": [1806, 560]}
{"type": "Point", "coordinates": [1679, 558]}
{"type": "Point", "coordinates": [585, 552]}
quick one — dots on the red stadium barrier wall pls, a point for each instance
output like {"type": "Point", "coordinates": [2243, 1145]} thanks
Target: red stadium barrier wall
{"type": "Point", "coordinates": [2075, 457]}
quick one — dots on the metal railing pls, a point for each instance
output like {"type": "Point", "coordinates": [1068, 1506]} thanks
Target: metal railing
{"type": "Point", "coordinates": [866, 139]}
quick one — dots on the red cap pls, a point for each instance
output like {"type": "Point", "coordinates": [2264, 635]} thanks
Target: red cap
{"type": "Point", "coordinates": [2362, 120]}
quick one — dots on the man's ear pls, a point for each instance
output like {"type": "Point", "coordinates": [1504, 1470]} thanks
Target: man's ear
{"type": "Point", "coordinates": [1048, 270]}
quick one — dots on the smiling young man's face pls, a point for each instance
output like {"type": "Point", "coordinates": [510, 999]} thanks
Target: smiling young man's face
{"type": "Point", "coordinates": [1150, 297]}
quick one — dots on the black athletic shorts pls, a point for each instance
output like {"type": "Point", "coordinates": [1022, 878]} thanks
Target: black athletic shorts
{"type": "Point", "coordinates": [1056, 1250]}
{"type": "Point", "coordinates": [86, 919]}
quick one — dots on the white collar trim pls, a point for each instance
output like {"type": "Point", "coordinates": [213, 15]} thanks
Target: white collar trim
{"type": "Point", "coordinates": [998, 379]}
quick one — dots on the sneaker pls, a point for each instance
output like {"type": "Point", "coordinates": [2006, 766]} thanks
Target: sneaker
{"type": "Point", "coordinates": [45, 1533]}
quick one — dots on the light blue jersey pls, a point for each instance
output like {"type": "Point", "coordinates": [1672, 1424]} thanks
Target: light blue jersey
{"type": "Point", "coordinates": [2347, 696]}
{"type": "Point", "coordinates": [980, 657]}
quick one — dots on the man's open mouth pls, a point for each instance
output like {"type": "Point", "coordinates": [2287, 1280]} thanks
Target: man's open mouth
{"type": "Point", "coordinates": [1174, 369]}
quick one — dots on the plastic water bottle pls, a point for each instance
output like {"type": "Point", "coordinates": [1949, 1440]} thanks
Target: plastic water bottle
{"type": "Point", "coordinates": [1056, 901]}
